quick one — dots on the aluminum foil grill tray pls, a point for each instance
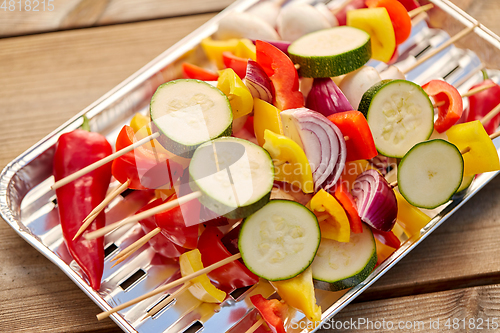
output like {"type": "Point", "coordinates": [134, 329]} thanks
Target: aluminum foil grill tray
{"type": "Point", "coordinates": [28, 204]}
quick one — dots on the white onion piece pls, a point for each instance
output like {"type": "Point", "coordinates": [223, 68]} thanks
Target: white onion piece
{"type": "Point", "coordinates": [245, 25]}
{"type": "Point", "coordinates": [257, 81]}
{"type": "Point", "coordinates": [267, 11]}
{"type": "Point", "coordinates": [323, 9]}
{"type": "Point", "coordinates": [392, 73]}
{"type": "Point", "coordinates": [375, 200]}
{"type": "Point", "coordinates": [356, 83]}
{"type": "Point", "coordinates": [322, 141]}
{"type": "Point", "coordinates": [297, 19]}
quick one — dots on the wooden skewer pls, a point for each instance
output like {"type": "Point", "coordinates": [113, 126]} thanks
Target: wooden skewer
{"type": "Point", "coordinates": [255, 326]}
{"type": "Point", "coordinates": [490, 115]}
{"type": "Point", "coordinates": [170, 285]}
{"type": "Point", "coordinates": [105, 160]}
{"type": "Point", "coordinates": [127, 252]}
{"type": "Point", "coordinates": [416, 11]}
{"type": "Point", "coordinates": [150, 212]}
{"type": "Point", "coordinates": [478, 90]}
{"type": "Point", "coordinates": [450, 41]}
{"type": "Point", "coordinates": [495, 135]}
{"type": "Point", "coordinates": [158, 307]}
{"type": "Point", "coordinates": [469, 93]}
{"type": "Point", "coordinates": [342, 6]}
{"type": "Point", "coordinates": [91, 217]}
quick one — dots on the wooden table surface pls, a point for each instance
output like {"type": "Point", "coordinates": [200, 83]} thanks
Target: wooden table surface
{"type": "Point", "coordinates": [54, 64]}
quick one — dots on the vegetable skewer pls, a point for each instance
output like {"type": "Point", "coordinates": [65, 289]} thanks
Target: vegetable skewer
{"type": "Point", "coordinates": [464, 150]}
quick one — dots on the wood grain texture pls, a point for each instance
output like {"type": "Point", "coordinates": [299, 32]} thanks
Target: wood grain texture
{"type": "Point", "coordinates": [70, 14]}
{"type": "Point", "coordinates": [476, 305]}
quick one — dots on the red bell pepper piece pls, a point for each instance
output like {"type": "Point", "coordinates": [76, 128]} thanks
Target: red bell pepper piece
{"type": "Point", "coordinates": [346, 200]}
{"type": "Point", "coordinates": [409, 4]}
{"type": "Point", "coordinates": [160, 243]}
{"type": "Point", "coordinates": [360, 144]}
{"type": "Point", "coordinates": [483, 102]}
{"type": "Point", "coordinates": [74, 151]}
{"type": "Point", "coordinates": [195, 72]}
{"type": "Point", "coordinates": [401, 21]}
{"type": "Point", "coordinates": [386, 237]}
{"type": "Point", "coordinates": [451, 111]}
{"type": "Point", "coordinates": [144, 168]}
{"type": "Point", "coordinates": [174, 226]}
{"type": "Point", "coordinates": [282, 73]}
{"type": "Point", "coordinates": [238, 64]}
{"type": "Point", "coordinates": [272, 311]}
{"type": "Point", "coordinates": [228, 277]}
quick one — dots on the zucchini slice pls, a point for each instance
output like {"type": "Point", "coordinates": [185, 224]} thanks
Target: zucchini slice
{"type": "Point", "coordinates": [400, 115]}
{"type": "Point", "coordinates": [331, 52]}
{"type": "Point", "coordinates": [280, 240]}
{"type": "Point", "coordinates": [466, 182]}
{"type": "Point", "coordinates": [235, 176]}
{"type": "Point", "coordinates": [189, 112]}
{"type": "Point", "coordinates": [339, 266]}
{"type": "Point", "coordinates": [430, 173]}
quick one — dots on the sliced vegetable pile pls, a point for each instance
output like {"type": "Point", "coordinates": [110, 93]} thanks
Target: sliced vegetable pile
{"type": "Point", "coordinates": [297, 163]}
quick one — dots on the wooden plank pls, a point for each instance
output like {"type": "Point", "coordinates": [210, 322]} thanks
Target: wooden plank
{"type": "Point", "coordinates": [477, 305]}
{"type": "Point", "coordinates": [70, 14]}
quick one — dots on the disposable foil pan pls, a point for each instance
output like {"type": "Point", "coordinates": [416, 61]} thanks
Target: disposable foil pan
{"type": "Point", "coordinates": [27, 204]}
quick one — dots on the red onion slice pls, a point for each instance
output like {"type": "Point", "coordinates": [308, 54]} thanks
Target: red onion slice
{"type": "Point", "coordinates": [257, 81]}
{"type": "Point", "coordinates": [322, 141]}
{"type": "Point", "coordinates": [326, 98]}
{"type": "Point", "coordinates": [375, 200]}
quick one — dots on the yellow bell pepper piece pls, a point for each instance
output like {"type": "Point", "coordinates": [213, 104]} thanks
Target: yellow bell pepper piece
{"type": "Point", "coordinates": [142, 128]}
{"type": "Point", "coordinates": [336, 225]}
{"type": "Point", "coordinates": [139, 121]}
{"type": "Point", "coordinates": [240, 98]}
{"type": "Point", "coordinates": [353, 169]}
{"type": "Point", "coordinates": [410, 218]}
{"type": "Point", "coordinates": [246, 49]}
{"type": "Point", "coordinates": [214, 48]}
{"type": "Point", "coordinates": [377, 23]}
{"type": "Point", "coordinates": [202, 288]}
{"type": "Point", "coordinates": [291, 164]}
{"type": "Point", "coordinates": [483, 156]}
{"type": "Point", "coordinates": [298, 292]}
{"type": "Point", "coordinates": [265, 116]}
